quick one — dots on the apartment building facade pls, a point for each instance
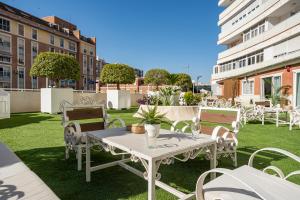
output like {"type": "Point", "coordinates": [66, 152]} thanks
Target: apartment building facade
{"type": "Point", "coordinates": [23, 36]}
{"type": "Point", "coordinates": [263, 50]}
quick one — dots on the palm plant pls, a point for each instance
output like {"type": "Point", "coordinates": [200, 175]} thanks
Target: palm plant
{"type": "Point", "coordinates": [280, 94]}
{"type": "Point", "coordinates": [151, 116]}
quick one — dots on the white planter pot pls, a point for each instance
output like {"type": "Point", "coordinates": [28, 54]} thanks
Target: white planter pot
{"type": "Point", "coordinates": [51, 99]}
{"type": "Point", "coordinates": [118, 99]}
{"type": "Point", "coordinates": [152, 130]}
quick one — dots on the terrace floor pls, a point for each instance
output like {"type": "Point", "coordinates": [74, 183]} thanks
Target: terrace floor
{"type": "Point", "coordinates": [38, 140]}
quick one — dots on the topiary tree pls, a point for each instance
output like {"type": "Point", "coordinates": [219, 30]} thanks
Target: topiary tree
{"type": "Point", "coordinates": [56, 67]}
{"type": "Point", "coordinates": [184, 81]}
{"type": "Point", "coordinates": [157, 77]}
{"type": "Point", "coordinates": [117, 74]}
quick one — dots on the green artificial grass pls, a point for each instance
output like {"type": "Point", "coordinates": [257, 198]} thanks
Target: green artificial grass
{"type": "Point", "coordinates": [38, 140]}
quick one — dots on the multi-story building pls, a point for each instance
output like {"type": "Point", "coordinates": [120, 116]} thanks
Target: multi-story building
{"type": "Point", "coordinates": [263, 49]}
{"type": "Point", "coordinates": [23, 36]}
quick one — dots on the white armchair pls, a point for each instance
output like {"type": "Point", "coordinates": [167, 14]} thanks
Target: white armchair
{"type": "Point", "coordinates": [75, 131]}
{"type": "Point", "coordinates": [248, 183]}
{"type": "Point", "coordinates": [295, 117]}
{"type": "Point", "coordinates": [226, 137]}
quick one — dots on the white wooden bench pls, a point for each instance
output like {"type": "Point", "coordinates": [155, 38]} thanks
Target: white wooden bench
{"type": "Point", "coordinates": [17, 181]}
{"type": "Point", "coordinates": [248, 183]}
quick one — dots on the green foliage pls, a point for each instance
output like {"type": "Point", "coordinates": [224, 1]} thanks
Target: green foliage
{"type": "Point", "coordinates": [157, 77]}
{"type": "Point", "coordinates": [191, 99]}
{"type": "Point", "coordinates": [279, 95]}
{"type": "Point", "coordinates": [188, 98]}
{"type": "Point", "coordinates": [117, 74]}
{"type": "Point", "coordinates": [55, 66]}
{"type": "Point", "coordinates": [152, 116]}
{"type": "Point", "coordinates": [167, 95]}
{"type": "Point", "coordinates": [172, 79]}
{"type": "Point", "coordinates": [184, 81]}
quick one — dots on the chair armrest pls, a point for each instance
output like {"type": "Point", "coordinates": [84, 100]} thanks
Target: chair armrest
{"type": "Point", "coordinates": [174, 124]}
{"type": "Point", "coordinates": [281, 151]}
{"type": "Point", "coordinates": [113, 120]}
{"type": "Point", "coordinates": [228, 172]}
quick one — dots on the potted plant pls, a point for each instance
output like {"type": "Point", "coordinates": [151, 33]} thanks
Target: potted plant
{"type": "Point", "coordinates": [117, 74]}
{"type": "Point", "coordinates": [152, 121]}
{"type": "Point", "coordinates": [56, 67]}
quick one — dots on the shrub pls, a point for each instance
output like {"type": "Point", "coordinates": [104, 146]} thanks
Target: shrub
{"type": "Point", "coordinates": [188, 98]}
{"type": "Point", "coordinates": [191, 99]}
{"type": "Point", "coordinates": [56, 67]}
{"type": "Point", "coordinates": [117, 74]}
{"type": "Point", "coordinates": [184, 81]}
{"type": "Point", "coordinates": [157, 77]}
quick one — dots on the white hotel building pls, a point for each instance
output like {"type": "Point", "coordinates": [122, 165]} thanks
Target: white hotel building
{"type": "Point", "coordinates": [263, 45]}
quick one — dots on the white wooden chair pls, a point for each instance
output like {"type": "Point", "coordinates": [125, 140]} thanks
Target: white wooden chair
{"type": "Point", "coordinates": [248, 183]}
{"type": "Point", "coordinates": [295, 117]}
{"type": "Point", "coordinates": [226, 137]}
{"type": "Point", "coordinates": [75, 131]}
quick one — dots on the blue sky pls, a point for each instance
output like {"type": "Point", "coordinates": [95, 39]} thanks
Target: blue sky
{"type": "Point", "coordinates": [169, 34]}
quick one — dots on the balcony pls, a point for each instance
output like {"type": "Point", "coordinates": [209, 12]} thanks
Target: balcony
{"type": "Point", "coordinates": [231, 10]}
{"type": "Point", "coordinates": [225, 3]}
{"type": "Point", "coordinates": [281, 31]}
{"type": "Point", "coordinates": [286, 58]}
{"type": "Point", "coordinates": [263, 12]}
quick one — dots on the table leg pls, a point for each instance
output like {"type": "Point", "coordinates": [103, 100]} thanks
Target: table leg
{"type": "Point", "coordinates": [88, 160]}
{"type": "Point", "coordinates": [151, 180]}
{"type": "Point", "coordinates": [277, 118]}
{"type": "Point", "coordinates": [213, 160]}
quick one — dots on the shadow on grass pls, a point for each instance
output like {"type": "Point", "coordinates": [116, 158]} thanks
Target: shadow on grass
{"type": "Point", "coordinates": [63, 178]}
{"type": "Point", "coordinates": [24, 119]}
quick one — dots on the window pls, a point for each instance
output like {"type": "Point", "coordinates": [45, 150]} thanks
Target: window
{"type": "Point", "coordinates": [216, 70]}
{"type": "Point", "coordinates": [248, 87]}
{"type": "Point", "coordinates": [4, 24]}
{"type": "Point", "coordinates": [61, 43]}
{"type": "Point", "coordinates": [34, 34]}
{"type": "Point", "coordinates": [84, 64]}
{"type": "Point", "coordinates": [72, 46]}
{"type": "Point", "coordinates": [91, 52]}
{"type": "Point", "coordinates": [5, 46]}
{"type": "Point", "coordinates": [21, 29]}
{"type": "Point", "coordinates": [5, 76]}
{"type": "Point", "coordinates": [52, 39]}
{"type": "Point", "coordinates": [34, 82]}
{"type": "Point", "coordinates": [21, 77]}
{"type": "Point", "coordinates": [21, 51]}
{"type": "Point", "coordinates": [34, 51]}
{"type": "Point", "coordinates": [91, 68]}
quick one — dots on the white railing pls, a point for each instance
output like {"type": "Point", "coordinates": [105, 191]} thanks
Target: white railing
{"type": "Point", "coordinates": [263, 40]}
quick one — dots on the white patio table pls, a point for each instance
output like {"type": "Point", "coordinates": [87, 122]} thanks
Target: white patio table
{"type": "Point", "coordinates": [170, 146]}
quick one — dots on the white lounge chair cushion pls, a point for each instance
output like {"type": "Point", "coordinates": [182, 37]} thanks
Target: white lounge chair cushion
{"type": "Point", "coordinates": [269, 186]}
{"type": "Point", "coordinates": [17, 181]}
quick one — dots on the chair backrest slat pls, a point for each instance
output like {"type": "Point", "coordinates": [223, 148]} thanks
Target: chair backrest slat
{"type": "Point", "coordinates": [92, 126]}
{"type": "Point", "coordinates": [222, 118]}
{"type": "Point", "coordinates": [84, 113]}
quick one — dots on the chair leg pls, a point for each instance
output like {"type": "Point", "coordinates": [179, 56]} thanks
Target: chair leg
{"type": "Point", "coordinates": [67, 153]}
{"type": "Point", "coordinates": [79, 158]}
{"type": "Point", "coordinates": [235, 159]}
{"type": "Point", "coordinates": [263, 120]}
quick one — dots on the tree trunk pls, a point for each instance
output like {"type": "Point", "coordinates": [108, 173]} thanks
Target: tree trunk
{"type": "Point", "coordinates": [57, 83]}
{"type": "Point", "coordinates": [118, 86]}
{"type": "Point", "coordinates": [157, 88]}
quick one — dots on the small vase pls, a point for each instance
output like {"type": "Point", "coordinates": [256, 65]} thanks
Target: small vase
{"type": "Point", "coordinates": [152, 130]}
{"type": "Point", "coordinates": [151, 135]}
